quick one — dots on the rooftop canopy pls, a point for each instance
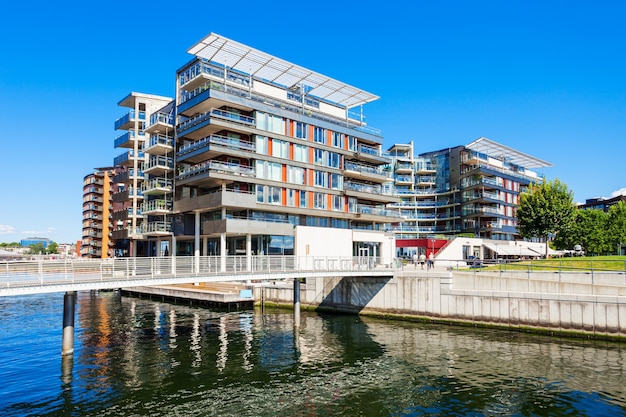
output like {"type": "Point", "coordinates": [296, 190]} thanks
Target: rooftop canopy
{"type": "Point", "coordinates": [495, 150]}
{"type": "Point", "coordinates": [251, 61]}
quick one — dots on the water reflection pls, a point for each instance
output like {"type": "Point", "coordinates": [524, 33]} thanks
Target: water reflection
{"type": "Point", "coordinates": [139, 357]}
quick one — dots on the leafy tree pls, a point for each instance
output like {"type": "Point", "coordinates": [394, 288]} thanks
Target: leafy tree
{"type": "Point", "coordinates": [545, 209]}
{"type": "Point", "coordinates": [616, 226]}
{"type": "Point", "coordinates": [588, 229]}
{"type": "Point", "coordinates": [53, 247]}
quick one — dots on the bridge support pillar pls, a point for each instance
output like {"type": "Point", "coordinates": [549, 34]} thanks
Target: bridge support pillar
{"type": "Point", "coordinates": [69, 306]}
{"type": "Point", "coordinates": [296, 302]}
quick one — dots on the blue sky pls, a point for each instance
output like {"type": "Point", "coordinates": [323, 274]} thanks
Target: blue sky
{"type": "Point", "coordinates": [544, 77]}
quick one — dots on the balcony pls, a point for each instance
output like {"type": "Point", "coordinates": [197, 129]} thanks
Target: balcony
{"type": "Point", "coordinates": [404, 167]}
{"type": "Point", "coordinates": [128, 176]}
{"type": "Point", "coordinates": [370, 192]}
{"type": "Point", "coordinates": [157, 186]}
{"type": "Point", "coordinates": [212, 146]}
{"type": "Point", "coordinates": [128, 158]}
{"type": "Point", "coordinates": [127, 140]}
{"type": "Point", "coordinates": [156, 207]}
{"type": "Point", "coordinates": [158, 165]}
{"type": "Point", "coordinates": [197, 75]}
{"type": "Point", "coordinates": [216, 169]}
{"type": "Point", "coordinates": [226, 198]}
{"type": "Point", "coordinates": [159, 145]}
{"type": "Point", "coordinates": [160, 122]}
{"type": "Point", "coordinates": [366, 172]}
{"type": "Point", "coordinates": [371, 154]}
{"type": "Point", "coordinates": [156, 228]}
{"type": "Point", "coordinates": [128, 120]}
{"type": "Point", "coordinates": [369, 211]}
{"type": "Point", "coordinates": [404, 179]}
{"type": "Point", "coordinates": [197, 126]}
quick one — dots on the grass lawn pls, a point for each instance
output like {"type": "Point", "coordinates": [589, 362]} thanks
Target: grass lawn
{"type": "Point", "coordinates": [585, 263]}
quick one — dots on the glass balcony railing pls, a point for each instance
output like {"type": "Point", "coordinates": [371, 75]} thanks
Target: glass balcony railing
{"type": "Point", "coordinates": [369, 150]}
{"type": "Point", "coordinates": [351, 166]}
{"type": "Point", "coordinates": [233, 143]}
{"type": "Point", "coordinates": [162, 162]}
{"type": "Point", "coordinates": [162, 140]}
{"type": "Point", "coordinates": [156, 205]}
{"type": "Point", "coordinates": [367, 188]}
{"type": "Point", "coordinates": [128, 137]}
{"type": "Point", "coordinates": [128, 117]}
{"type": "Point", "coordinates": [155, 227]}
{"type": "Point", "coordinates": [215, 166]}
{"type": "Point", "coordinates": [128, 156]}
{"type": "Point", "coordinates": [157, 183]}
{"type": "Point", "coordinates": [162, 118]}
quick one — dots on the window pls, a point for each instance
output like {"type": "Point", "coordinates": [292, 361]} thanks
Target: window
{"type": "Point", "coordinates": [280, 148]}
{"type": "Point", "coordinates": [352, 145]}
{"type": "Point", "coordinates": [319, 134]}
{"type": "Point", "coordinates": [352, 205]}
{"type": "Point", "coordinates": [334, 160]}
{"type": "Point", "coordinates": [261, 145]}
{"type": "Point", "coordinates": [337, 203]}
{"type": "Point", "coordinates": [301, 129]}
{"type": "Point", "coordinates": [319, 201]}
{"type": "Point", "coordinates": [321, 179]}
{"type": "Point", "coordinates": [295, 175]}
{"type": "Point", "coordinates": [337, 140]}
{"type": "Point", "coordinates": [300, 153]}
{"type": "Point", "coordinates": [303, 200]}
{"type": "Point", "coordinates": [291, 197]}
{"type": "Point", "coordinates": [269, 170]}
{"type": "Point", "coordinates": [270, 123]}
{"type": "Point", "coordinates": [336, 181]}
{"type": "Point", "coordinates": [260, 194]}
{"type": "Point", "coordinates": [274, 195]}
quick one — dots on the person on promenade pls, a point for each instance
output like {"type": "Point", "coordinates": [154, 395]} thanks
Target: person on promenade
{"type": "Point", "coordinates": [415, 260]}
{"type": "Point", "coordinates": [422, 260]}
{"type": "Point", "coordinates": [431, 260]}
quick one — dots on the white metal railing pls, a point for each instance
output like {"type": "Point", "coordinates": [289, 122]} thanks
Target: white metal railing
{"type": "Point", "coordinates": [57, 273]}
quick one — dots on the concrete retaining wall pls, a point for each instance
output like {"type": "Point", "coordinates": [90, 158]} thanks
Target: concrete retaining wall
{"type": "Point", "coordinates": [552, 302]}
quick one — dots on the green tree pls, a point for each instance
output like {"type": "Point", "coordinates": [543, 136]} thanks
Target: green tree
{"type": "Point", "coordinates": [616, 226]}
{"type": "Point", "coordinates": [545, 209]}
{"type": "Point", "coordinates": [52, 248]}
{"type": "Point", "coordinates": [588, 229]}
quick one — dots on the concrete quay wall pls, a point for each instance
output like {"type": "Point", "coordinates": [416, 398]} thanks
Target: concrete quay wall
{"type": "Point", "coordinates": [568, 303]}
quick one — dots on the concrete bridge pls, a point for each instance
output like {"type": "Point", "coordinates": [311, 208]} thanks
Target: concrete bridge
{"type": "Point", "coordinates": [71, 275]}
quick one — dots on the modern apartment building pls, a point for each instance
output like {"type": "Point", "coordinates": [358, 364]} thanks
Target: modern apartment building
{"type": "Point", "coordinates": [466, 189]}
{"type": "Point", "coordinates": [97, 206]}
{"type": "Point", "coordinates": [255, 156]}
{"type": "Point", "coordinates": [144, 174]}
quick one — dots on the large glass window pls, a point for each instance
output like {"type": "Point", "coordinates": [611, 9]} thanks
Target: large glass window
{"type": "Point", "coordinates": [352, 143]}
{"type": "Point", "coordinates": [261, 145]}
{"type": "Point", "coordinates": [319, 134]}
{"type": "Point", "coordinates": [321, 179]}
{"type": "Point", "coordinates": [352, 205]}
{"type": "Point", "coordinates": [295, 175]}
{"type": "Point", "coordinates": [300, 153]}
{"type": "Point", "coordinates": [337, 203]}
{"type": "Point", "coordinates": [336, 181]}
{"type": "Point", "coordinates": [337, 140]}
{"type": "Point", "coordinates": [303, 199]}
{"type": "Point", "coordinates": [269, 170]}
{"type": "Point", "coordinates": [319, 201]}
{"type": "Point", "coordinates": [270, 123]}
{"type": "Point", "coordinates": [301, 130]}
{"type": "Point", "coordinates": [274, 195]}
{"type": "Point", "coordinates": [291, 197]}
{"type": "Point", "coordinates": [280, 148]}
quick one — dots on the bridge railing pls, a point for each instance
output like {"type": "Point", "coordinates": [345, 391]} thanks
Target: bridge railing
{"type": "Point", "coordinates": [42, 272]}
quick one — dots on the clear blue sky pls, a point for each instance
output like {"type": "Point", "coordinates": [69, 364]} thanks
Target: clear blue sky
{"type": "Point", "coordinates": [544, 77]}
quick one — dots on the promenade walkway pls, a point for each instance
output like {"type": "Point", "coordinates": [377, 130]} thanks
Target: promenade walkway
{"type": "Point", "coordinates": [45, 276]}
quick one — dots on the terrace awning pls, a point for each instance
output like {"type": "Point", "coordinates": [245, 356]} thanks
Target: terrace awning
{"type": "Point", "coordinates": [259, 64]}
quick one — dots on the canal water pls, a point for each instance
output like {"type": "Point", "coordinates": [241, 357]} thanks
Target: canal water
{"type": "Point", "coordinates": [136, 357]}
